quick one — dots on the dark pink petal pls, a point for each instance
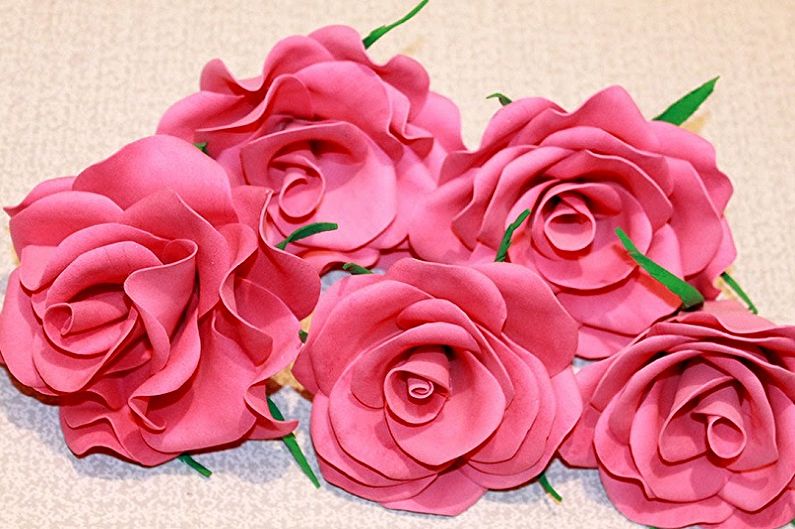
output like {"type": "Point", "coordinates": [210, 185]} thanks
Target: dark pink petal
{"type": "Point", "coordinates": [157, 163]}
{"type": "Point", "coordinates": [371, 366]}
{"type": "Point", "coordinates": [166, 215]}
{"type": "Point", "coordinates": [46, 188]}
{"type": "Point", "coordinates": [468, 289]}
{"type": "Point", "coordinates": [471, 414]}
{"type": "Point", "coordinates": [114, 430]}
{"type": "Point", "coordinates": [697, 223]}
{"type": "Point", "coordinates": [509, 119]}
{"type": "Point", "coordinates": [612, 110]}
{"type": "Point", "coordinates": [20, 334]}
{"type": "Point", "coordinates": [212, 410]}
{"type": "Point", "coordinates": [362, 433]}
{"type": "Point", "coordinates": [450, 494]}
{"type": "Point", "coordinates": [577, 449]}
{"type": "Point", "coordinates": [51, 219]}
{"type": "Point", "coordinates": [532, 311]}
{"type": "Point", "coordinates": [431, 233]}
{"type": "Point", "coordinates": [303, 370]}
{"type": "Point", "coordinates": [629, 498]}
{"type": "Point", "coordinates": [678, 142]}
{"type": "Point", "coordinates": [200, 110]}
{"type": "Point", "coordinates": [342, 337]}
{"type": "Point", "coordinates": [329, 450]}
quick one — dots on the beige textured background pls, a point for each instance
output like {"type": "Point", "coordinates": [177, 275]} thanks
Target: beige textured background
{"type": "Point", "coordinates": [78, 79]}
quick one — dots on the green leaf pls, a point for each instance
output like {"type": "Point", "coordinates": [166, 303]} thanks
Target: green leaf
{"type": "Point", "coordinates": [502, 98]}
{"type": "Point", "coordinates": [548, 488]}
{"type": "Point", "coordinates": [355, 269]}
{"type": "Point", "coordinates": [502, 252]}
{"type": "Point", "coordinates": [195, 465]}
{"type": "Point", "coordinates": [202, 146]}
{"type": "Point", "coordinates": [689, 295]}
{"type": "Point", "coordinates": [734, 285]}
{"type": "Point", "coordinates": [303, 335]}
{"type": "Point", "coordinates": [379, 32]}
{"type": "Point", "coordinates": [685, 107]}
{"type": "Point", "coordinates": [292, 446]}
{"type": "Point", "coordinates": [305, 231]}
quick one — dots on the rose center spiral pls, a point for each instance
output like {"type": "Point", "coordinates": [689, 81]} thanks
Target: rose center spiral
{"type": "Point", "coordinates": [568, 229]}
{"type": "Point", "coordinates": [419, 388]}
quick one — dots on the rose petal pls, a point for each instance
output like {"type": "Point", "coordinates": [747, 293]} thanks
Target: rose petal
{"type": "Point", "coordinates": [450, 494]}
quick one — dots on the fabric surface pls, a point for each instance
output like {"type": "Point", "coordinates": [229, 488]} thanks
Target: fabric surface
{"type": "Point", "coordinates": [81, 79]}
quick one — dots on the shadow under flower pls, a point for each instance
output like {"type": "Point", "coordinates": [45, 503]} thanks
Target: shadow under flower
{"type": "Point", "coordinates": [256, 462]}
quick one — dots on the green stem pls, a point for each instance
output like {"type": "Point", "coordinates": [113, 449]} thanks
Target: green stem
{"type": "Point", "coordinates": [502, 252]}
{"type": "Point", "coordinates": [305, 231]}
{"type": "Point", "coordinates": [502, 98]}
{"type": "Point", "coordinates": [548, 488]}
{"type": "Point", "coordinates": [379, 32]}
{"type": "Point", "coordinates": [689, 294]}
{"type": "Point", "coordinates": [734, 285]}
{"type": "Point", "coordinates": [195, 465]}
{"type": "Point", "coordinates": [292, 445]}
{"type": "Point", "coordinates": [355, 269]}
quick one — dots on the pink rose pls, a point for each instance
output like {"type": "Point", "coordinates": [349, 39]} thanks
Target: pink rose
{"type": "Point", "coordinates": [334, 136]}
{"type": "Point", "coordinates": [693, 422]}
{"type": "Point", "coordinates": [143, 305]}
{"type": "Point", "coordinates": [434, 383]}
{"type": "Point", "coordinates": [583, 174]}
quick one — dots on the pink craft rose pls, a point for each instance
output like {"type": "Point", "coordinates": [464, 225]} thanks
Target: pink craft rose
{"type": "Point", "coordinates": [336, 137]}
{"type": "Point", "coordinates": [434, 383]}
{"type": "Point", "coordinates": [582, 175]}
{"type": "Point", "coordinates": [149, 312]}
{"type": "Point", "coordinates": [693, 422]}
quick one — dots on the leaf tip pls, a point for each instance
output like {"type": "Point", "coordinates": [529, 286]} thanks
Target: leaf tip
{"type": "Point", "coordinates": [502, 98]}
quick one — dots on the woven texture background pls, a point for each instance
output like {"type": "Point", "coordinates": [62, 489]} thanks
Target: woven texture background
{"type": "Point", "coordinates": [79, 79]}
